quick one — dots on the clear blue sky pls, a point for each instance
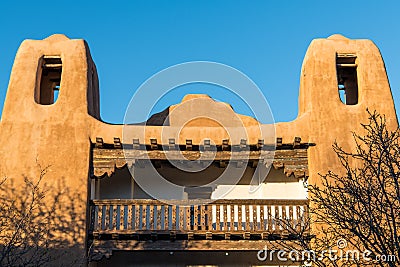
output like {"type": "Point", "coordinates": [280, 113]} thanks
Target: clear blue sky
{"type": "Point", "coordinates": [266, 40]}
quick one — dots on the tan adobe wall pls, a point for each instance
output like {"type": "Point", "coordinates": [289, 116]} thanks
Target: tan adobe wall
{"type": "Point", "coordinates": [60, 135]}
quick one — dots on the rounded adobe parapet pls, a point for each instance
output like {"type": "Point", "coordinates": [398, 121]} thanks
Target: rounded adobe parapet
{"type": "Point", "coordinates": [338, 37]}
{"type": "Point", "coordinates": [57, 38]}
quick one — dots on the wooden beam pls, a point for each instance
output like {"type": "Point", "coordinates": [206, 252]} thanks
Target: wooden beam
{"type": "Point", "coordinates": [117, 142]}
{"type": "Point", "coordinates": [294, 161]}
{"type": "Point", "coordinates": [136, 144]}
{"type": "Point", "coordinates": [296, 142]}
{"type": "Point", "coordinates": [99, 142]}
{"type": "Point", "coordinates": [189, 144]}
{"type": "Point", "coordinates": [153, 144]}
{"type": "Point", "coordinates": [260, 143]}
{"type": "Point", "coordinates": [225, 144]}
{"type": "Point", "coordinates": [243, 143]}
{"type": "Point", "coordinates": [171, 144]}
{"type": "Point", "coordinates": [278, 141]}
{"type": "Point", "coordinates": [207, 144]}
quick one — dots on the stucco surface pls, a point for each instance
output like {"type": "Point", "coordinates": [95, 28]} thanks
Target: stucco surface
{"type": "Point", "coordinates": [60, 135]}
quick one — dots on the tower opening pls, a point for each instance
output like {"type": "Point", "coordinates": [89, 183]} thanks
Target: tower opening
{"type": "Point", "coordinates": [49, 80]}
{"type": "Point", "coordinates": [346, 70]}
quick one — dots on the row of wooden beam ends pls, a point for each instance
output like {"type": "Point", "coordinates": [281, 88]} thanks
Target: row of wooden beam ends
{"type": "Point", "coordinates": [154, 145]}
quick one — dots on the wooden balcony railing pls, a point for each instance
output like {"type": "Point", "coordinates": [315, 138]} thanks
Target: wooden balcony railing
{"type": "Point", "coordinates": [243, 218]}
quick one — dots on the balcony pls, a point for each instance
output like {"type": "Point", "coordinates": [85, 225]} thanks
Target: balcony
{"type": "Point", "coordinates": [239, 219]}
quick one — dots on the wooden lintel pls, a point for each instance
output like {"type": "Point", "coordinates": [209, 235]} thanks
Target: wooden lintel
{"type": "Point", "coordinates": [294, 161]}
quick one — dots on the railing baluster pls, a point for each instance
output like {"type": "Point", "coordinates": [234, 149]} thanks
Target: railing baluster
{"type": "Point", "coordinates": [107, 218]}
{"type": "Point", "coordinates": [173, 217]}
{"type": "Point", "coordinates": [218, 215]}
{"type": "Point", "coordinates": [298, 218]}
{"type": "Point", "coordinates": [100, 215]}
{"type": "Point", "coordinates": [232, 213]}
{"type": "Point", "coordinates": [143, 209]}
{"type": "Point", "coordinates": [187, 218]}
{"type": "Point", "coordinates": [136, 209]}
{"type": "Point", "coordinates": [209, 217]}
{"type": "Point", "coordinates": [255, 221]}
{"type": "Point", "coordinates": [277, 223]}
{"type": "Point", "coordinates": [151, 217]}
{"type": "Point", "coordinates": [129, 217]}
{"type": "Point", "coordinates": [159, 217]}
{"type": "Point", "coordinates": [305, 216]}
{"type": "Point", "coordinates": [202, 217]}
{"type": "Point", "coordinates": [262, 224]}
{"type": "Point", "coordinates": [195, 217]}
{"type": "Point", "coordinates": [240, 217]}
{"type": "Point", "coordinates": [269, 217]}
{"type": "Point", "coordinates": [122, 220]}
{"type": "Point", "coordinates": [114, 217]}
{"type": "Point", "coordinates": [247, 215]}
{"type": "Point", "coordinates": [225, 212]}
{"type": "Point", "coordinates": [284, 219]}
{"type": "Point", "coordinates": [290, 222]}
{"type": "Point", "coordinates": [181, 217]}
{"type": "Point", "coordinates": [166, 218]}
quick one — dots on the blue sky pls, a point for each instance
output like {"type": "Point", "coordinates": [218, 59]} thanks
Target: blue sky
{"type": "Point", "coordinates": [267, 40]}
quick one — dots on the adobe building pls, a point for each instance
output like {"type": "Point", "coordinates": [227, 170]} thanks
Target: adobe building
{"type": "Point", "coordinates": [51, 117]}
